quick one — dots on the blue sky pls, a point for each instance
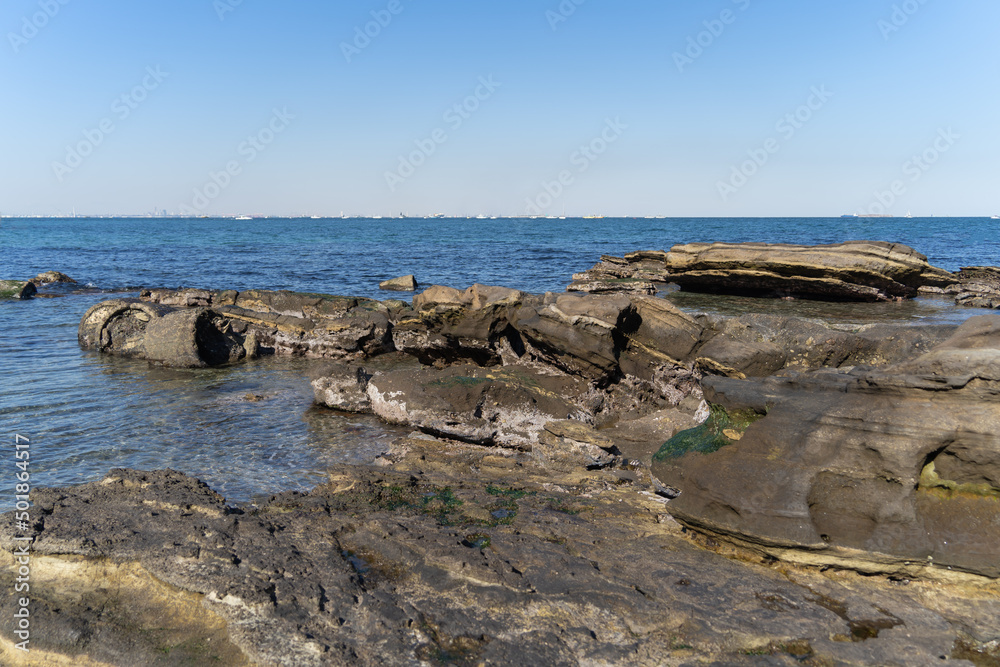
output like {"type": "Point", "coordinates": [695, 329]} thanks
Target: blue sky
{"type": "Point", "coordinates": [784, 108]}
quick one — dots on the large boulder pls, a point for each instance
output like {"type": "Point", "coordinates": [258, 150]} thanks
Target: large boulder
{"type": "Point", "coordinates": [851, 271]}
{"type": "Point", "coordinates": [191, 328]}
{"type": "Point", "coordinates": [450, 325]}
{"type": "Point", "coordinates": [659, 334]}
{"type": "Point", "coordinates": [579, 333]}
{"type": "Point", "coordinates": [185, 338]}
{"type": "Point", "coordinates": [892, 470]}
{"type": "Point", "coordinates": [506, 406]}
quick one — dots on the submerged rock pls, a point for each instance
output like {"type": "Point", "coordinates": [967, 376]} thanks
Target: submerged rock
{"type": "Point", "coordinates": [893, 470]}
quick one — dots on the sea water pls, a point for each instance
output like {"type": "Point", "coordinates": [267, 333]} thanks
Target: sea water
{"type": "Point", "coordinates": [251, 429]}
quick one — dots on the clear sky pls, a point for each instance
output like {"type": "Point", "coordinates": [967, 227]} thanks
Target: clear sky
{"type": "Point", "coordinates": [644, 107]}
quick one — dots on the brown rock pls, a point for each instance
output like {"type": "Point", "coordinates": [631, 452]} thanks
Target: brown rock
{"type": "Point", "coordinates": [401, 284]}
{"type": "Point", "coordinates": [852, 271]}
{"type": "Point", "coordinates": [892, 470]}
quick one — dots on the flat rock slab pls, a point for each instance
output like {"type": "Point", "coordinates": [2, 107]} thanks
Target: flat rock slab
{"type": "Point", "coordinates": [505, 405]}
{"type": "Point", "coordinates": [852, 271]}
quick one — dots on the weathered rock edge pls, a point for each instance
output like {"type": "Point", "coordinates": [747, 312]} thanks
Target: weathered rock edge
{"type": "Point", "coordinates": [891, 470]}
{"type": "Point", "coordinates": [852, 271]}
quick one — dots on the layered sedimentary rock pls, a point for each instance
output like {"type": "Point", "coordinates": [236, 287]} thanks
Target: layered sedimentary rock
{"type": "Point", "coordinates": [493, 365]}
{"type": "Point", "coordinates": [852, 271]}
{"type": "Point", "coordinates": [978, 286]}
{"type": "Point", "coordinates": [637, 272]}
{"type": "Point", "coordinates": [192, 328]}
{"type": "Point", "coordinates": [886, 470]}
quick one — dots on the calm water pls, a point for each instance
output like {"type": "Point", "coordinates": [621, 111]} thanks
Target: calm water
{"type": "Point", "coordinates": [251, 430]}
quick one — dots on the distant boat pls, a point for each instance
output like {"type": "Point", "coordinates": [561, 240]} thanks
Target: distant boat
{"type": "Point", "coordinates": [996, 217]}
{"type": "Point", "coordinates": [243, 217]}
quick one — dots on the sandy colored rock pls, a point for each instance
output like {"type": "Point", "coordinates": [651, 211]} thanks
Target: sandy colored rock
{"type": "Point", "coordinates": [400, 284]}
{"type": "Point", "coordinates": [851, 271]}
{"type": "Point", "coordinates": [50, 277]}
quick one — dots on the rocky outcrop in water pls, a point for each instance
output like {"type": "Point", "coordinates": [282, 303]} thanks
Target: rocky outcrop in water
{"type": "Point", "coordinates": [400, 284]}
{"type": "Point", "coordinates": [16, 289]}
{"type": "Point", "coordinates": [498, 363]}
{"type": "Point", "coordinates": [637, 272]}
{"type": "Point", "coordinates": [52, 277]}
{"type": "Point", "coordinates": [890, 470]}
{"type": "Point", "coordinates": [978, 286]}
{"type": "Point", "coordinates": [852, 271]}
{"type": "Point", "coordinates": [196, 328]}
{"type": "Point", "coordinates": [448, 554]}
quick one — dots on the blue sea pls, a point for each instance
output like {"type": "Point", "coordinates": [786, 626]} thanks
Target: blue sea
{"type": "Point", "coordinates": [251, 430]}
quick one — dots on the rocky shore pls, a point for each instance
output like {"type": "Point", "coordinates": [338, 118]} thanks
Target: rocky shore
{"type": "Point", "coordinates": [593, 477]}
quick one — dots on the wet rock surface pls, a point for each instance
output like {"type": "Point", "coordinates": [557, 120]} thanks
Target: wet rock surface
{"type": "Point", "coordinates": [451, 554]}
{"type": "Point", "coordinates": [16, 289]}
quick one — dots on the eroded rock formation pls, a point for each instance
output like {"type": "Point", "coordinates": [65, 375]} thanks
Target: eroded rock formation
{"type": "Point", "coordinates": [886, 470]}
